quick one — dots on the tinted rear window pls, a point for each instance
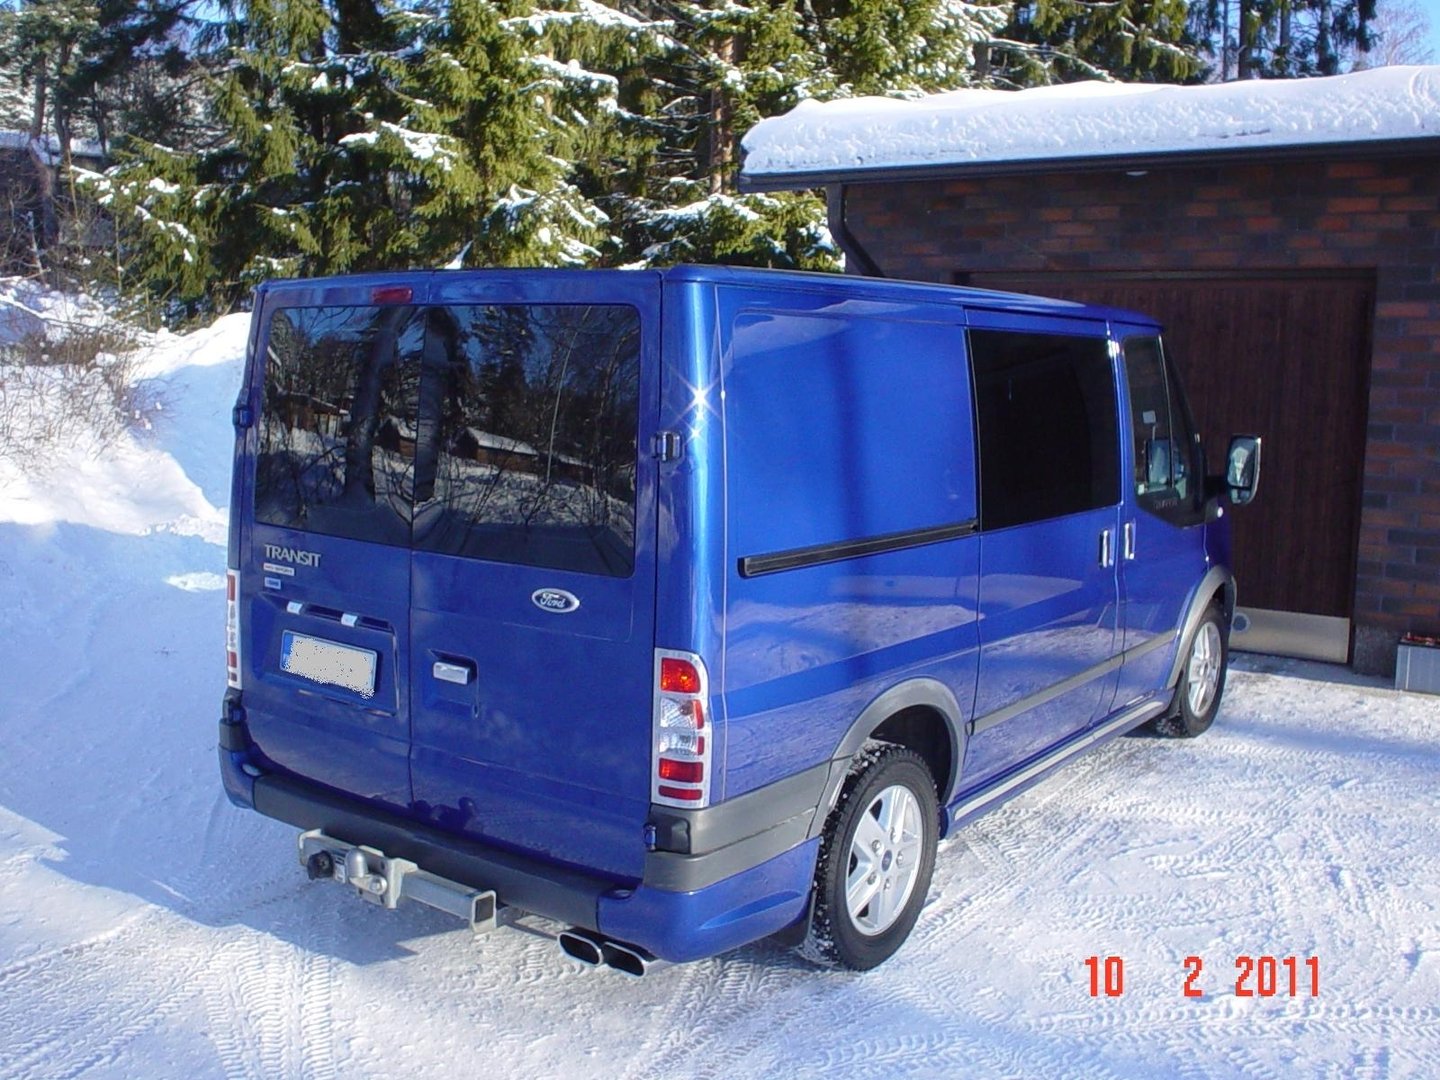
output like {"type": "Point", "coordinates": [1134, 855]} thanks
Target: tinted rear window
{"type": "Point", "coordinates": [337, 423]}
{"type": "Point", "coordinates": [534, 440]}
{"type": "Point", "coordinates": [503, 432]}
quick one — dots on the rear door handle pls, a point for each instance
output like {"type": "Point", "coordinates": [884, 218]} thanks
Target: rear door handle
{"type": "Point", "coordinates": [459, 674]}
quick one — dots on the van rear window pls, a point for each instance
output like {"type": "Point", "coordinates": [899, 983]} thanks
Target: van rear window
{"type": "Point", "coordinates": [337, 423]}
{"type": "Point", "coordinates": [502, 432]}
{"type": "Point", "coordinates": [536, 409]}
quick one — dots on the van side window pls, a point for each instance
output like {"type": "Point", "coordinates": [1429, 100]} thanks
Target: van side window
{"type": "Point", "coordinates": [1168, 470]}
{"type": "Point", "coordinates": [1045, 408]}
{"type": "Point", "coordinates": [529, 419]}
{"type": "Point", "coordinates": [337, 422]}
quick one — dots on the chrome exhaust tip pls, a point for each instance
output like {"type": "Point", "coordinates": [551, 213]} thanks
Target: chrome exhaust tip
{"type": "Point", "coordinates": [629, 960]}
{"type": "Point", "coordinates": [582, 947]}
{"type": "Point", "coordinates": [593, 950]}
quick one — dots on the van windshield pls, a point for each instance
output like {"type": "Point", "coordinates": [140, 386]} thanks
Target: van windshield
{"type": "Point", "coordinates": [503, 432]}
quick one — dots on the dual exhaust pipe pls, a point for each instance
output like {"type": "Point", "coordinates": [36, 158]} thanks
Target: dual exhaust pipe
{"type": "Point", "coordinates": [594, 950]}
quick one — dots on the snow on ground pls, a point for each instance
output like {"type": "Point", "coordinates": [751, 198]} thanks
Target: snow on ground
{"type": "Point", "coordinates": [149, 929]}
{"type": "Point", "coordinates": [1095, 119]}
{"type": "Point", "coordinates": [28, 307]}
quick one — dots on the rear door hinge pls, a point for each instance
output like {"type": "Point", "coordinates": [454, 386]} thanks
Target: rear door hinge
{"type": "Point", "coordinates": [242, 416]}
{"type": "Point", "coordinates": [668, 446]}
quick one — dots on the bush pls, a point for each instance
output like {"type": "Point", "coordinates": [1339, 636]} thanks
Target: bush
{"type": "Point", "coordinates": [72, 385]}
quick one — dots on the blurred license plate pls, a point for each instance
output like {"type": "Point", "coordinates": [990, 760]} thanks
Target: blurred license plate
{"type": "Point", "coordinates": [328, 662]}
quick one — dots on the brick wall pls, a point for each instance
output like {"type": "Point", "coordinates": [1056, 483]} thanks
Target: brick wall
{"type": "Point", "coordinates": [1377, 217]}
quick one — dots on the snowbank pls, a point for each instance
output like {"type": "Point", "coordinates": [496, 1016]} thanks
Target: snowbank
{"type": "Point", "coordinates": [170, 473]}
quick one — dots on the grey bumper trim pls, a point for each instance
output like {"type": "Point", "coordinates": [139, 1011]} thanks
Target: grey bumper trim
{"type": "Point", "coordinates": [697, 848]}
{"type": "Point", "coordinates": [686, 873]}
{"type": "Point", "coordinates": [699, 832]}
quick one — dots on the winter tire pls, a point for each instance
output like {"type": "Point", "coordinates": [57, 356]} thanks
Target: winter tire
{"type": "Point", "coordinates": [1202, 680]}
{"type": "Point", "coordinates": [877, 855]}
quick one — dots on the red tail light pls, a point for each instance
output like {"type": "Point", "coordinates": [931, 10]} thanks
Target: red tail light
{"type": "Point", "coordinates": [391, 294]}
{"type": "Point", "coordinates": [680, 749]}
{"type": "Point", "coordinates": [685, 772]}
{"type": "Point", "coordinates": [232, 629]}
{"type": "Point", "coordinates": [678, 676]}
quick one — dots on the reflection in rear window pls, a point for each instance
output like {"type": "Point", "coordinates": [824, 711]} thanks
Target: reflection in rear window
{"type": "Point", "coordinates": [503, 432]}
{"type": "Point", "coordinates": [532, 459]}
{"type": "Point", "coordinates": [337, 423]}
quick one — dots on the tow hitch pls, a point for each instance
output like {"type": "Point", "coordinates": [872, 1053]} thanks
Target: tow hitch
{"type": "Point", "coordinates": [385, 881]}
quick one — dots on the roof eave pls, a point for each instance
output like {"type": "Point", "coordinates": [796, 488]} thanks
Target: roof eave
{"type": "Point", "coordinates": [1428, 146]}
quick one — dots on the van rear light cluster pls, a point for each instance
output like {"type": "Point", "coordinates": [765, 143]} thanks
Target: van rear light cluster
{"type": "Point", "coordinates": [232, 629]}
{"type": "Point", "coordinates": [682, 736]}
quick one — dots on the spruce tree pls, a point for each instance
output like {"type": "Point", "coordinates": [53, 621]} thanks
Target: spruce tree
{"type": "Point", "coordinates": [370, 134]}
{"type": "Point", "coordinates": [1282, 38]}
{"type": "Point", "coordinates": [720, 67]}
{"type": "Point", "coordinates": [1130, 40]}
{"type": "Point", "coordinates": [363, 136]}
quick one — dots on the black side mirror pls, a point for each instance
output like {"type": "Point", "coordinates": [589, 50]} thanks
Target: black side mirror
{"type": "Point", "coordinates": [1242, 468]}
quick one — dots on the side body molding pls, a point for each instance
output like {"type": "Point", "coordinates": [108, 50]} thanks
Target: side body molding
{"type": "Point", "coordinates": [914, 693]}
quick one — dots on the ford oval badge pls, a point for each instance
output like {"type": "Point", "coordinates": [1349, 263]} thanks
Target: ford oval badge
{"type": "Point", "coordinates": [555, 600]}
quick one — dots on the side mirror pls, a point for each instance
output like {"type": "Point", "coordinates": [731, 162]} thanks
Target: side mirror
{"type": "Point", "coordinates": [1242, 468]}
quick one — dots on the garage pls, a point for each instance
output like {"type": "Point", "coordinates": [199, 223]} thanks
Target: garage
{"type": "Point", "coordinates": [1287, 233]}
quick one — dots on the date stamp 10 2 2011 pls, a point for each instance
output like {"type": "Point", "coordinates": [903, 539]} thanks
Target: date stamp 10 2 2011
{"type": "Point", "coordinates": [1255, 976]}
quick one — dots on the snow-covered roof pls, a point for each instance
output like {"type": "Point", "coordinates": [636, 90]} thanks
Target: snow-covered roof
{"type": "Point", "coordinates": [500, 442]}
{"type": "Point", "coordinates": [1089, 121]}
{"type": "Point", "coordinates": [49, 145]}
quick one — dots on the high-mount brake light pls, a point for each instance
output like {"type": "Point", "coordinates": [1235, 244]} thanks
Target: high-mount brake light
{"type": "Point", "coordinates": [391, 294]}
{"type": "Point", "coordinates": [232, 628]}
{"type": "Point", "coordinates": [681, 744]}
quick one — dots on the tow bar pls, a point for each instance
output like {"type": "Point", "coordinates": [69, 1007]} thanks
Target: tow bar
{"type": "Point", "coordinates": [385, 881]}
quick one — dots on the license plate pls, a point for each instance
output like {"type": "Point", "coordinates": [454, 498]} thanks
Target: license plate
{"type": "Point", "coordinates": [328, 662]}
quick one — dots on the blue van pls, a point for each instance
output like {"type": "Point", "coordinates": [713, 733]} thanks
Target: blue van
{"type": "Point", "coordinates": [690, 607]}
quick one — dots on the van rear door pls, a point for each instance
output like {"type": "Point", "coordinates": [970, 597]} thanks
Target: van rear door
{"type": "Point", "coordinates": [325, 562]}
{"type": "Point", "coordinates": [533, 567]}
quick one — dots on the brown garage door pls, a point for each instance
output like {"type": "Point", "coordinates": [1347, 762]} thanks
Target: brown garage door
{"type": "Point", "coordinates": [1287, 358]}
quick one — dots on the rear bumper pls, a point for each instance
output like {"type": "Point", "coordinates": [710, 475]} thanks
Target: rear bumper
{"type": "Point", "coordinates": [762, 890]}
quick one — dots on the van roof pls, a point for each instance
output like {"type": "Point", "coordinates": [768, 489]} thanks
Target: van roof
{"type": "Point", "coordinates": [324, 290]}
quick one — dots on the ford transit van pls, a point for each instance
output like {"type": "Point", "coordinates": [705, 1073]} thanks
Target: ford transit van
{"type": "Point", "coordinates": [690, 607]}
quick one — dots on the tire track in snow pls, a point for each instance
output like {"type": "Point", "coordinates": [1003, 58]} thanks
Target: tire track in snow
{"type": "Point", "coordinates": [684, 1015]}
{"type": "Point", "coordinates": [75, 1009]}
{"type": "Point", "coordinates": [269, 1000]}
{"type": "Point", "coordinates": [720, 1040]}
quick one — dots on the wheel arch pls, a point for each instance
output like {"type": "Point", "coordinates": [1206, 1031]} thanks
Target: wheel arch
{"type": "Point", "coordinates": [922, 715]}
{"type": "Point", "coordinates": [1217, 584]}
